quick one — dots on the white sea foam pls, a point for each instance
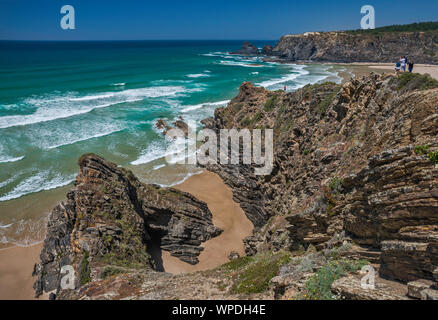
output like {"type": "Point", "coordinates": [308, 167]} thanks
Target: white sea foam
{"type": "Point", "coordinates": [98, 135]}
{"type": "Point", "coordinates": [198, 75]}
{"type": "Point", "coordinates": [298, 71]}
{"type": "Point", "coordinates": [4, 160]}
{"type": "Point", "coordinates": [242, 64]}
{"type": "Point", "coordinates": [53, 108]}
{"type": "Point", "coordinates": [160, 149]}
{"type": "Point", "coordinates": [37, 183]}
{"type": "Point", "coordinates": [187, 176]}
{"type": "Point", "coordinates": [156, 150]}
{"type": "Point", "coordinates": [201, 105]}
{"type": "Point", "coordinates": [159, 166]}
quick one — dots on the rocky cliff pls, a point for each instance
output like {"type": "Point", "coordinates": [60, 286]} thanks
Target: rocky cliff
{"type": "Point", "coordinates": [111, 223]}
{"type": "Point", "coordinates": [345, 47]}
{"type": "Point", "coordinates": [358, 160]}
{"type": "Point", "coordinates": [354, 183]}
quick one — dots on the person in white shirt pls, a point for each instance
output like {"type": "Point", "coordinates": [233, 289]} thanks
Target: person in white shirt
{"type": "Point", "coordinates": [403, 64]}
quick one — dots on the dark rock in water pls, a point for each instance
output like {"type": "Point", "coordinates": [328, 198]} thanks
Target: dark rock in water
{"type": "Point", "coordinates": [162, 125]}
{"type": "Point", "coordinates": [181, 125]}
{"type": "Point", "coordinates": [267, 50]}
{"type": "Point", "coordinates": [111, 219]}
{"type": "Point", "coordinates": [178, 124]}
{"type": "Point", "coordinates": [248, 49]}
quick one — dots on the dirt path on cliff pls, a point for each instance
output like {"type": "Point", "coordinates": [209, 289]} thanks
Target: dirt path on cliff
{"type": "Point", "coordinates": [227, 215]}
{"type": "Point", "coordinates": [360, 69]}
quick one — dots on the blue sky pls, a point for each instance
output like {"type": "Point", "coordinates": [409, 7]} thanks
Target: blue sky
{"type": "Point", "coordinates": [198, 19]}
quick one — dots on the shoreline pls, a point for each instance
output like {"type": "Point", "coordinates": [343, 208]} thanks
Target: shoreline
{"type": "Point", "coordinates": [16, 263]}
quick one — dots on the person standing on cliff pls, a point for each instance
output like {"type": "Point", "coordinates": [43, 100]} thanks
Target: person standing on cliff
{"type": "Point", "coordinates": [397, 67]}
{"type": "Point", "coordinates": [411, 66]}
{"type": "Point", "coordinates": [285, 88]}
{"type": "Point", "coordinates": [403, 64]}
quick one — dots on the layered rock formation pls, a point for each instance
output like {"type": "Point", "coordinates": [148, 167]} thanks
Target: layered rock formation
{"type": "Point", "coordinates": [112, 222]}
{"type": "Point", "coordinates": [358, 158]}
{"type": "Point", "coordinates": [355, 178]}
{"type": "Point", "coordinates": [345, 47]}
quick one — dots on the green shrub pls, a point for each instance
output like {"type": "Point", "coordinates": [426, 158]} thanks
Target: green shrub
{"type": "Point", "coordinates": [238, 263]}
{"type": "Point", "coordinates": [256, 276]}
{"type": "Point", "coordinates": [237, 107]}
{"type": "Point", "coordinates": [413, 27]}
{"type": "Point", "coordinates": [433, 156]}
{"type": "Point", "coordinates": [323, 105]}
{"type": "Point", "coordinates": [256, 118]}
{"type": "Point", "coordinates": [318, 286]}
{"type": "Point", "coordinates": [270, 103]}
{"type": "Point", "coordinates": [421, 150]}
{"type": "Point", "coordinates": [335, 184]}
{"type": "Point", "coordinates": [84, 270]}
{"type": "Point", "coordinates": [110, 271]}
{"type": "Point", "coordinates": [415, 81]}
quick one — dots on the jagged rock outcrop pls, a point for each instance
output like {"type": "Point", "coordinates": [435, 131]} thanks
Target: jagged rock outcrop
{"type": "Point", "coordinates": [358, 158]}
{"type": "Point", "coordinates": [248, 49]}
{"type": "Point", "coordinates": [420, 47]}
{"type": "Point", "coordinates": [112, 220]}
{"type": "Point", "coordinates": [355, 177]}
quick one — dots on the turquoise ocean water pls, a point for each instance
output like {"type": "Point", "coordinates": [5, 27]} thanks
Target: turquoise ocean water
{"type": "Point", "coordinates": [59, 100]}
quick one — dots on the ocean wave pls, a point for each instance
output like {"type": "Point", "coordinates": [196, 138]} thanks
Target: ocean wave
{"type": "Point", "coordinates": [5, 160]}
{"type": "Point", "coordinates": [186, 177]}
{"type": "Point", "coordinates": [242, 64]}
{"type": "Point", "coordinates": [161, 149]}
{"type": "Point", "coordinates": [297, 72]}
{"type": "Point", "coordinates": [198, 75]}
{"type": "Point", "coordinates": [53, 108]}
{"type": "Point", "coordinates": [156, 150]}
{"type": "Point", "coordinates": [37, 183]}
{"type": "Point", "coordinates": [159, 166]}
{"type": "Point", "coordinates": [24, 232]}
{"type": "Point", "coordinates": [201, 105]}
{"type": "Point", "coordinates": [98, 135]}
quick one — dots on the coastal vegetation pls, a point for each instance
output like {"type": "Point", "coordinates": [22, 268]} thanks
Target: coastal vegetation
{"type": "Point", "coordinates": [413, 27]}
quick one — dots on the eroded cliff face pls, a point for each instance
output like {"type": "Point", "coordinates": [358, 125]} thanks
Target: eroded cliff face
{"type": "Point", "coordinates": [420, 47]}
{"type": "Point", "coordinates": [111, 221]}
{"type": "Point", "coordinates": [355, 178]}
{"type": "Point", "coordinates": [358, 159]}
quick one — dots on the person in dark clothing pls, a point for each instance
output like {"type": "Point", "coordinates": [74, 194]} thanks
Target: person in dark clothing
{"type": "Point", "coordinates": [411, 66]}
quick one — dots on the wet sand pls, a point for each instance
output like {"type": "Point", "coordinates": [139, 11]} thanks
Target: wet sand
{"type": "Point", "coordinates": [227, 215]}
{"type": "Point", "coordinates": [16, 266]}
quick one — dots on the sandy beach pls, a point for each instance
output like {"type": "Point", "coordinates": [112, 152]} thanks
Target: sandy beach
{"type": "Point", "coordinates": [227, 215]}
{"type": "Point", "coordinates": [360, 69]}
{"type": "Point", "coordinates": [16, 264]}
